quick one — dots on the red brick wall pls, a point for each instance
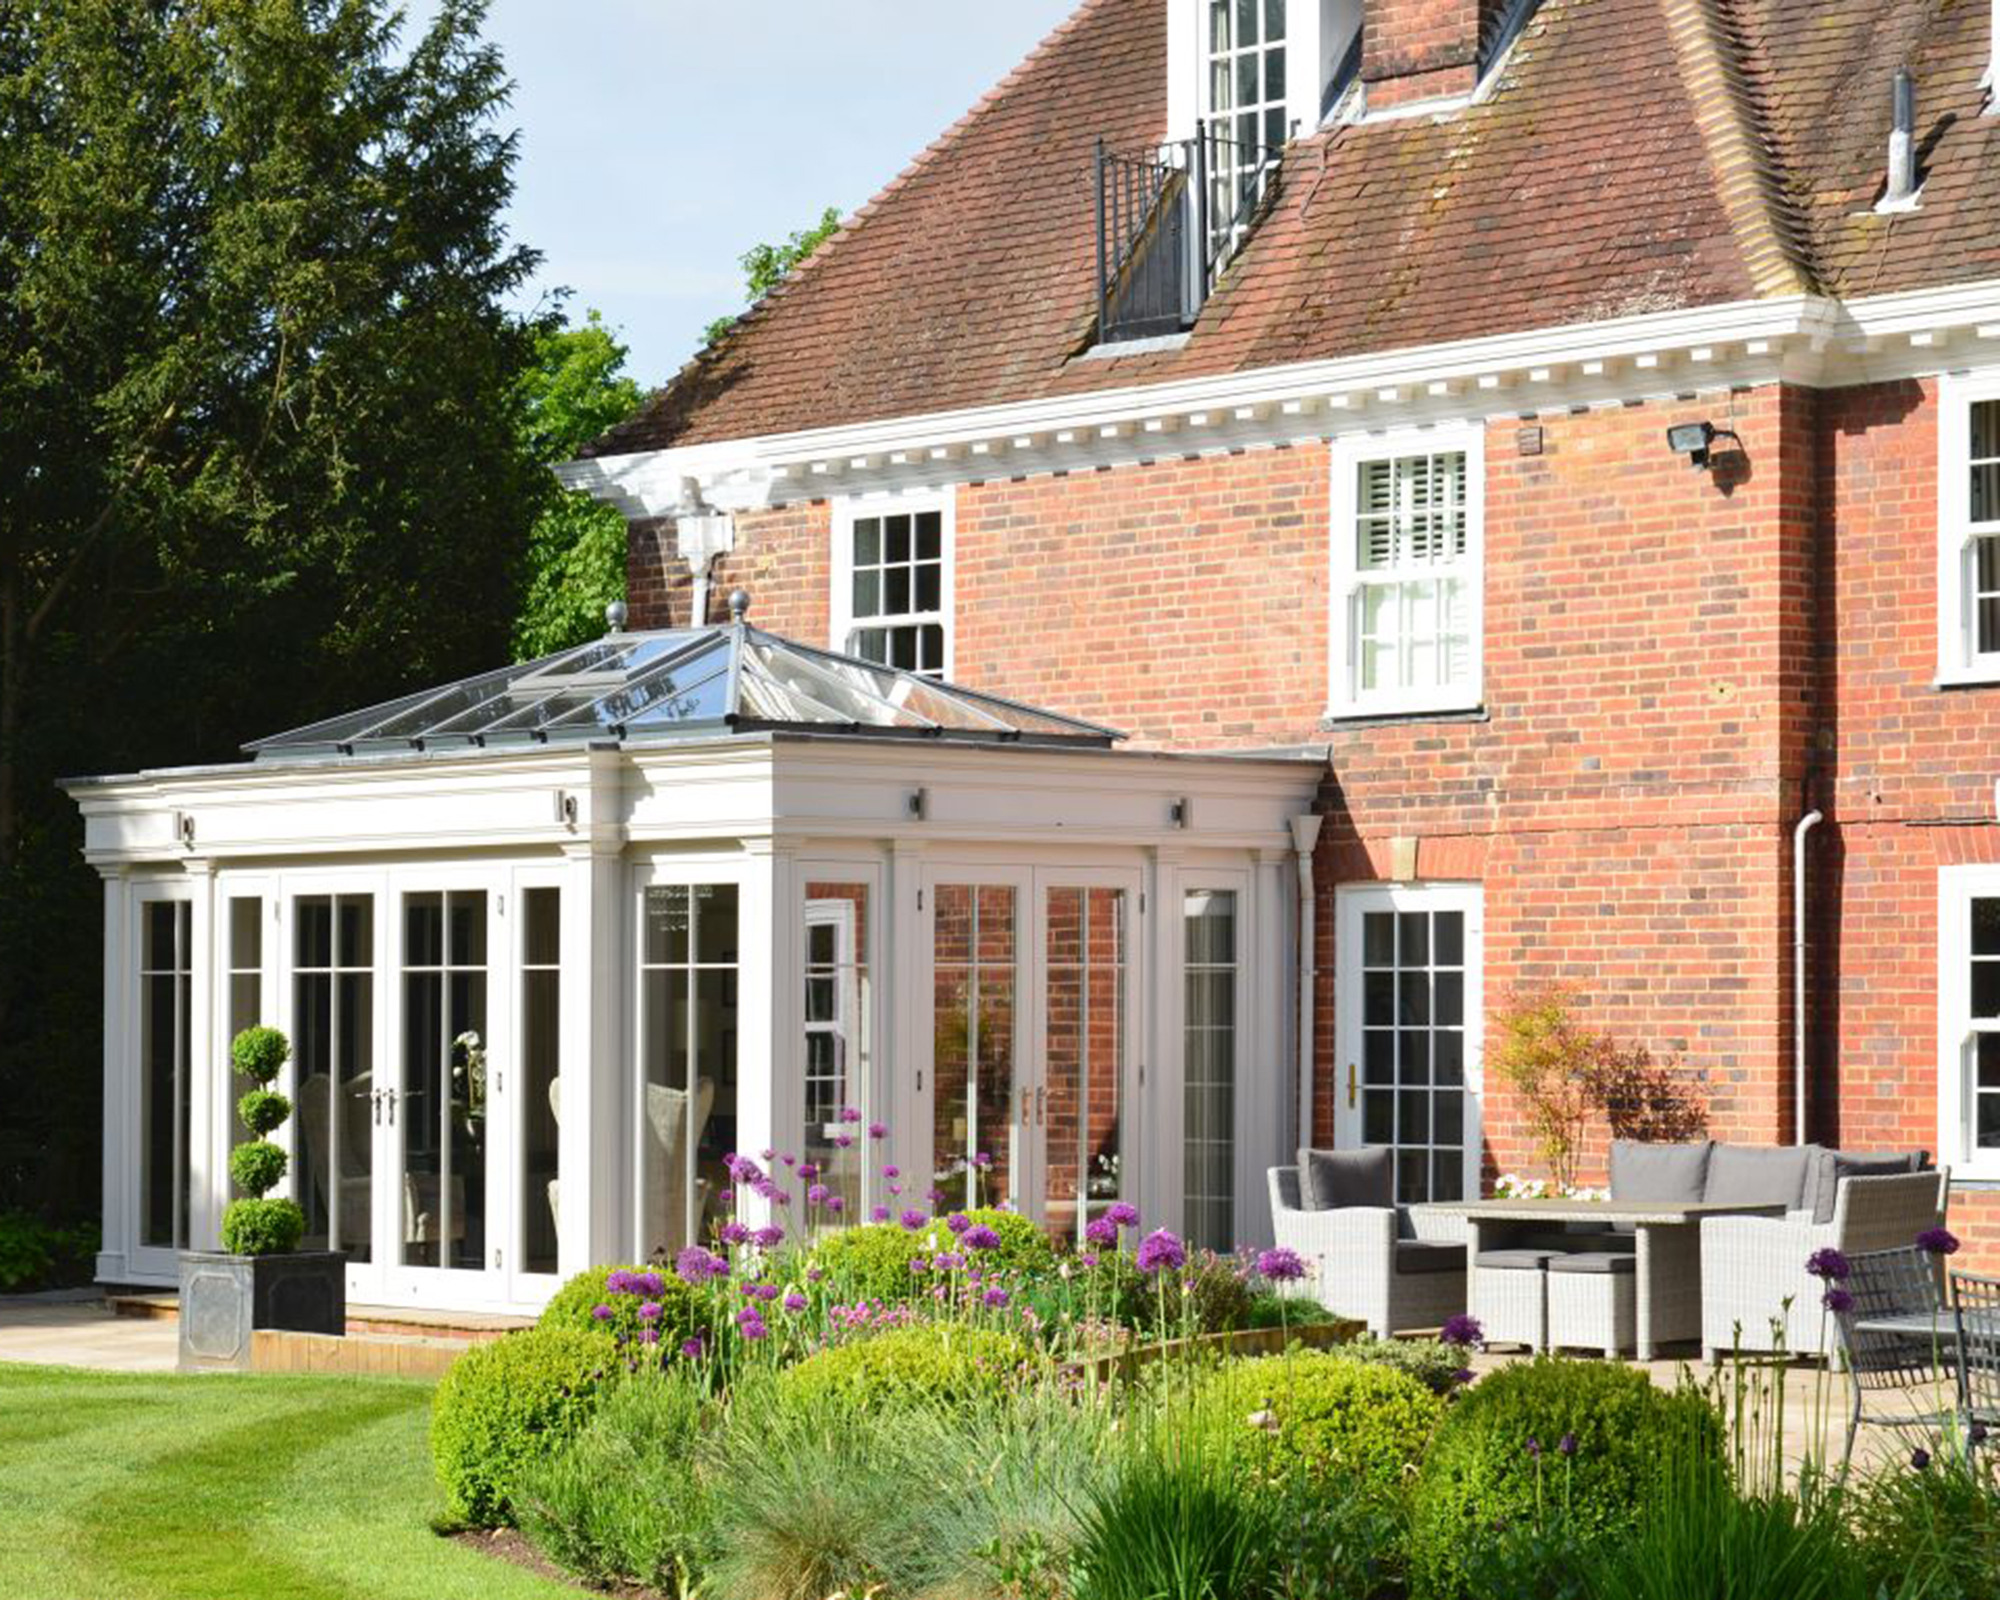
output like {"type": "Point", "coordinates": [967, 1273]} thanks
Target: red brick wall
{"type": "Point", "coordinates": [1414, 49]}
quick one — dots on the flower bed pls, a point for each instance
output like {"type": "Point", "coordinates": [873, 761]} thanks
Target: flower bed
{"type": "Point", "coordinates": [942, 1402]}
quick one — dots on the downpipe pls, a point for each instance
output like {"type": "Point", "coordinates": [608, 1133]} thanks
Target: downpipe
{"type": "Point", "coordinates": [1807, 823]}
{"type": "Point", "coordinates": [1305, 839]}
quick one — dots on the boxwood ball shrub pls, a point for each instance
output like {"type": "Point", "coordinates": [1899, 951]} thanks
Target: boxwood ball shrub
{"type": "Point", "coordinates": [1590, 1438]}
{"type": "Point", "coordinates": [1347, 1423]}
{"type": "Point", "coordinates": [505, 1405]}
{"type": "Point", "coordinates": [574, 1305]}
{"type": "Point", "coordinates": [258, 1224]}
{"type": "Point", "coordinates": [873, 1261]}
{"type": "Point", "coordinates": [929, 1364]}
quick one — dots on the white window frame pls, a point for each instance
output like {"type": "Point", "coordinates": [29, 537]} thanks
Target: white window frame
{"type": "Point", "coordinates": [1958, 887]}
{"type": "Point", "coordinates": [1344, 696]}
{"type": "Point", "coordinates": [1958, 660]}
{"type": "Point", "coordinates": [840, 608]}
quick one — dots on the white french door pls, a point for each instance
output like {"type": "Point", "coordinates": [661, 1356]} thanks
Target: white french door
{"type": "Point", "coordinates": [1028, 1088]}
{"type": "Point", "coordinates": [1408, 1011]}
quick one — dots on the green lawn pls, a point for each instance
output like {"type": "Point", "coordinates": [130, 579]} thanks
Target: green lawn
{"type": "Point", "coordinates": [227, 1488]}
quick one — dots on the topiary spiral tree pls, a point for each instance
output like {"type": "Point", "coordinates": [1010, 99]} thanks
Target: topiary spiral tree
{"type": "Point", "coordinates": [259, 1225]}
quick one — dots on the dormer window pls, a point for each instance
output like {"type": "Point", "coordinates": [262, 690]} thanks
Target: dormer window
{"type": "Point", "coordinates": [1246, 70]}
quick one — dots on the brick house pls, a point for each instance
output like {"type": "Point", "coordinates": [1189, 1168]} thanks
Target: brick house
{"type": "Point", "coordinates": [1518, 477]}
{"type": "Point", "coordinates": [1376, 469]}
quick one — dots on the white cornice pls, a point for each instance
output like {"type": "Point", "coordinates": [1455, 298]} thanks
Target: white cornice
{"type": "Point", "coordinates": [1808, 340]}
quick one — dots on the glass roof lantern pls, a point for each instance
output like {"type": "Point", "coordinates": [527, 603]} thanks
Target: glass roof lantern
{"type": "Point", "coordinates": [679, 684]}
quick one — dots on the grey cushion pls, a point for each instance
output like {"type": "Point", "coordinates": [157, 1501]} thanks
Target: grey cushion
{"type": "Point", "coordinates": [1330, 1179]}
{"type": "Point", "coordinates": [1429, 1255]}
{"type": "Point", "coordinates": [1553, 1239]}
{"type": "Point", "coordinates": [1758, 1175]}
{"type": "Point", "coordinates": [1514, 1260]}
{"type": "Point", "coordinates": [1595, 1261]}
{"type": "Point", "coordinates": [1669, 1173]}
{"type": "Point", "coordinates": [1830, 1166]}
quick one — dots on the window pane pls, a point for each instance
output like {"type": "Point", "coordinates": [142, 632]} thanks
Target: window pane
{"type": "Point", "coordinates": [1986, 988]}
{"type": "Point", "coordinates": [1986, 927]}
{"type": "Point", "coordinates": [867, 541]}
{"type": "Point", "coordinates": [930, 535]}
{"type": "Point", "coordinates": [1449, 929]}
{"type": "Point", "coordinates": [868, 594]}
{"type": "Point", "coordinates": [1378, 939]}
{"type": "Point", "coordinates": [1209, 1053]}
{"type": "Point", "coordinates": [1246, 23]}
{"type": "Point", "coordinates": [896, 539]}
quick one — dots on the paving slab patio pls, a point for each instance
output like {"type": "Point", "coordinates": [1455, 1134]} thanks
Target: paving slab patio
{"type": "Point", "coordinates": [83, 1332]}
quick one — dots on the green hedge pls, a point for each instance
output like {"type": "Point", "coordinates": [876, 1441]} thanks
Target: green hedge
{"type": "Point", "coordinates": [1482, 1474]}
{"type": "Point", "coordinates": [931, 1363]}
{"type": "Point", "coordinates": [872, 1261]}
{"type": "Point", "coordinates": [504, 1405]}
{"type": "Point", "coordinates": [1436, 1366]}
{"type": "Point", "coordinates": [1346, 1423]}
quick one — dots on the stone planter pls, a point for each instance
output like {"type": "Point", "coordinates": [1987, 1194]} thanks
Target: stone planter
{"type": "Point", "coordinates": [224, 1297]}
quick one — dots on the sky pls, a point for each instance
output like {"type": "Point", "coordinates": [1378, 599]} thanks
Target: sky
{"type": "Point", "coordinates": [660, 139]}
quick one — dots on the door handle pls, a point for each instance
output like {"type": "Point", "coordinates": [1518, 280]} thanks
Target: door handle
{"type": "Point", "coordinates": [1027, 1104]}
{"type": "Point", "coordinates": [1350, 1086]}
{"type": "Point", "coordinates": [1042, 1107]}
{"type": "Point", "coordinates": [389, 1100]}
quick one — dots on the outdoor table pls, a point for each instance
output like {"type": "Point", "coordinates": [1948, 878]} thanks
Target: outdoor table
{"type": "Point", "coordinates": [1941, 1324]}
{"type": "Point", "coordinates": [1667, 1238]}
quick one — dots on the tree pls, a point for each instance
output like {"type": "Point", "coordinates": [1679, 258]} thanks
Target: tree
{"type": "Point", "coordinates": [573, 390]}
{"type": "Point", "coordinates": [765, 266]}
{"type": "Point", "coordinates": [258, 421]}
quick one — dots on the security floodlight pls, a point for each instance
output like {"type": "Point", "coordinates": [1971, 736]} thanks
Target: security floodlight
{"type": "Point", "coordinates": [1692, 439]}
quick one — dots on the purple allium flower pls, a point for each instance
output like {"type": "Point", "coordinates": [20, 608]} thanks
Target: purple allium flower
{"type": "Point", "coordinates": [958, 1222]}
{"type": "Point", "coordinates": [1838, 1301]}
{"type": "Point", "coordinates": [980, 1238]}
{"type": "Point", "coordinates": [808, 1170]}
{"type": "Point", "coordinates": [697, 1265]}
{"type": "Point", "coordinates": [617, 1282]}
{"type": "Point", "coordinates": [1281, 1265]}
{"type": "Point", "coordinates": [892, 1171]}
{"type": "Point", "coordinates": [649, 1335]}
{"type": "Point", "coordinates": [1566, 1445]}
{"type": "Point", "coordinates": [1829, 1264]}
{"type": "Point", "coordinates": [650, 1311]}
{"type": "Point", "coordinates": [768, 1238]}
{"type": "Point", "coordinates": [1920, 1458]}
{"type": "Point", "coordinates": [814, 1274]}
{"type": "Point", "coordinates": [982, 1161]}
{"type": "Point", "coordinates": [753, 1328]}
{"type": "Point", "coordinates": [935, 1196]}
{"type": "Point", "coordinates": [1123, 1215]}
{"type": "Point", "coordinates": [850, 1114]}
{"type": "Point", "coordinates": [650, 1284]}
{"type": "Point", "coordinates": [1977, 1434]}
{"type": "Point", "coordinates": [996, 1297]}
{"type": "Point", "coordinates": [1463, 1376]}
{"type": "Point", "coordinates": [1102, 1231]}
{"type": "Point", "coordinates": [817, 1194]}
{"type": "Point", "coordinates": [895, 1188]}
{"type": "Point", "coordinates": [790, 1161]}
{"type": "Point", "coordinates": [748, 1314]}
{"type": "Point", "coordinates": [796, 1301]}
{"type": "Point", "coordinates": [948, 1261]}
{"type": "Point", "coordinates": [912, 1220]}
{"type": "Point", "coordinates": [767, 1190]}
{"type": "Point", "coordinates": [693, 1348]}
{"type": "Point", "coordinates": [1938, 1242]}
{"type": "Point", "coordinates": [1161, 1251]}
{"type": "Point", "coordinates": [1462, 1330]}
{"type": "Point", "coordinates": [734, 1233]}
{"type": "Point", "coordinates": [843, 1141]}
{"type": "Point", "coordinates": [1534, 1446]}
{"type": "Point", "coordinates": [919, 1264]}
{"type": "Point", "coordinates": [1086, 1261]}
{"type": "Point", "coordinates": [601, 1312]}
{"type": "Point", "coordinates": [881, 1214]}
{"type": "Point", "coordinates": [878, 1130]}
{"type": "Point", "coordinates": [835, 1204]}
{"type": "Point", "coordinates": [768, 1155]}
{"type": "Point", "coordinates": [768, 1291]}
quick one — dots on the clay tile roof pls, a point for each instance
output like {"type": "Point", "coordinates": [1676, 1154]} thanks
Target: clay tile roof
{"type": "Point", "coordinates": [1634, 156]}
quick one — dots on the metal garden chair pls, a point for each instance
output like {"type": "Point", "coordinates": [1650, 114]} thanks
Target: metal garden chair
{"type": "Point", "coordinates": [1895, 1333]}
{"type": "Point", "coordinates": [1976, 1310]}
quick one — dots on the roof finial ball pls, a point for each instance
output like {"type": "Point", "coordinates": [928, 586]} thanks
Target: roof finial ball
{"type": "Point", "coordinates": [739, 604]}
{"type": "Point", "coordinates": [614, 617]}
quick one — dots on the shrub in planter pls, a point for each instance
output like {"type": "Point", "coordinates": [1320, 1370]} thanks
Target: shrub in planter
{"type": "Point", "coordinates": [1579, 1441]}
{"type": "Point", "coordinates": [1268, 1310]}
{"type": "Point", "coordinates": [504, 1406]}
{"type": "Point", "coordinates": [1345, 1423]}
{"type": "Point", "coordinates": [1436, 1366]}
{"type": "Point", "coordinates": [932, 1363]}
{"type": "Point", "coordinates": [624, 1290]}
{"type": "Point", "coordinates": [1211, 1294]}
{"type": "Point", "coordinates": [259, 1225]}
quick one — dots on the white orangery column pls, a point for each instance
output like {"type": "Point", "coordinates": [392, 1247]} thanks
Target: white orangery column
{"type": "Point", "coordinates": [120, 1092]}
{"type": "Point", "coordinates": [770, 1092]}
{"type": "Point", "coordinates": [904, 1005]}
{"type": "Point", "coordinates": [1162, 1179]}
{"type": "Point", "coordinates": [595, 1210]}
{"type": "Point", "coordinates": [208, 1074]}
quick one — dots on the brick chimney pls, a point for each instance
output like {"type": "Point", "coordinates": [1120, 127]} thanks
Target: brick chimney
{"type": "Point", "coordinates": [1422, 49]}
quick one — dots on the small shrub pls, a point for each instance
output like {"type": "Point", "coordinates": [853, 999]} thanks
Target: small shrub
{"type": "Point", "coordinates": [931, 1364]}
{"type": "Point", "coordinates": [1436, 1366]}
{"type": "Point", "coordinates": [1341, 1422]}
{"type": "Point", "coordinates": [1936, 1529]}
{"type": "Point", "coordinates": [260, 1054]}
{"type": "Point", "coordinates": [506, 1405]}
{"type": "Point", "coordinates": [34, 1255]}
{"type": "Point", "coordinates": [1482, 1470]}
{"type": "Point", "coordinates": [574, 1306]}
{"type": "Point", "coordinates": [1211, 1294]}
{"type": "Point", "coordinates": [1269, 1310]}
{"type": "Point", "coordinates": [873, 1261]}
{"type": "Point", "coordinates": [623, 1502]}
{"type": "Point", "coordinates": [271, 1226]}
{"type": "Point", "coordinates": [263, 1111]}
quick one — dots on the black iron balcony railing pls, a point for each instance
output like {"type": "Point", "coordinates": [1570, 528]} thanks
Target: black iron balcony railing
{"type": "Point", "coordinates": [1168, 222]}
